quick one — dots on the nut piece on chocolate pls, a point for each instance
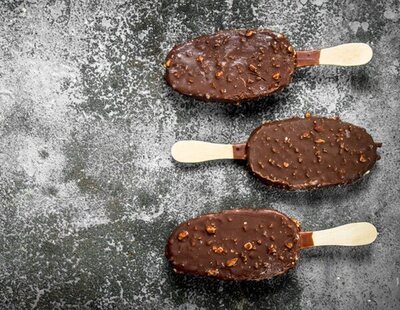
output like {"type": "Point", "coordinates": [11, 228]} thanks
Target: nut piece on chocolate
{"type": "Point", "coordinates": [247, 245]}
{"type": "Point", "coordinates": [231, 65]}
{"type": "Point", "coordinates": [304, 153]}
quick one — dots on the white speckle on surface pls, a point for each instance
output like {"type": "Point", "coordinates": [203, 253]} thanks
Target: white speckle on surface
{"type": "Point", "coordinates": [391, 14]}
{"type": "Point", "coordinates": [229, 4]}
{"type": "Point", "coordinates": [42, 171]}
{"type": "Point", "coordinates": [354, 26]}
{"type": "Point", "coordinates": [318, 2]}
{"type": "Point", "coordinates": [364, 26]}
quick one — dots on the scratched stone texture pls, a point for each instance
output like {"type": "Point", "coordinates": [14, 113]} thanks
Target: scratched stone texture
{"type": "Point", "coordinates": [88, 190]}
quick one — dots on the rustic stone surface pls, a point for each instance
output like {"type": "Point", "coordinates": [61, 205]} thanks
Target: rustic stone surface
{"type": "Point", "coordinates": [89, 193]}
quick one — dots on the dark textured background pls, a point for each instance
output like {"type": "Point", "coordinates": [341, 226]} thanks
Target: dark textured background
{"type": "Point", "coordinates": [89, 193]}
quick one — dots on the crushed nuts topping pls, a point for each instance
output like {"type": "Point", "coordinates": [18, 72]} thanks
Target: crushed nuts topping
{"type": "Point", "coordinates": [200, 58]}
{"type": "Point", "coordinates": [168, 63]}
{"type": "Point", "coordinates": [231, 262]}
{"type": "Point", "coordinates": [363, 159]}
{"type": "Point", "coordinates": [297, 222]}
{"type": "Point", "coordinates": [183, 234]}
{"type": "Point", "coordinates": [285, 164]}
{"type": "Point", "coordinates": [308, 115]}
{"type": "Point", "coordinates": [289, 245]}
{"type": "Point", "coordinates": [212, 272]}
{"type": "Point", "coordinates": [305, 135]}
{"type": "Point", "coordinates": [319, 141]}
{"type": "Point", "coordinates": [248, 246]}
{"type": "Point", "coordinates": [272, 248]}
{"type": "Point", "coordinates": [249, 33]}
{"type": "Point", "coordinates": [252, 67]}
{"type": "Point", "coordinates": [276, 76]}
{"type": "Point", "coordinates": [219, 74]}
{"type": "Point", "coordinates": [211, 229]}
{"type": "Point", "coordinates": [218, 249]}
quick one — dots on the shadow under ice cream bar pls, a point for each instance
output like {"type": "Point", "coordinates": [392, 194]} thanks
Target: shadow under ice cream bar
{"type": "Point", "coordinates": [251, 244]}
{"type": "Point", "coordinates": [239, 65]}
{"type": "Point", "coordinates": [296, 153]}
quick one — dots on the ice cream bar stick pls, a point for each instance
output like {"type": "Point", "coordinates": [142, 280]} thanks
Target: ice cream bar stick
{"type": "Point", "coordinates": [198, 151]}
{"type": "Point", "coordinates": [354, 234]}
{"type": "Point", "coordinates": [350, 54]}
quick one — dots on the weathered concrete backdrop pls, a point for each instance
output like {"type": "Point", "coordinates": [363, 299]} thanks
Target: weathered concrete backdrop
{"type": "Point", "coordinates": [89, 193]}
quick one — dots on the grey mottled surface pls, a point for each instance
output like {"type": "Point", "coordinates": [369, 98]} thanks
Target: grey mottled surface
{"type": "Point", "coordinates": [89, 193]}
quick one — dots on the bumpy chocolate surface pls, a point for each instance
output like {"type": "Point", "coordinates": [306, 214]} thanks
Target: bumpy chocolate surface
{"type": "Point", "coordinates": [303, 153]}
{"type": "Point", "coordinates": [243, 244]}
{"type": "Point", "coordinates": [231, 65]}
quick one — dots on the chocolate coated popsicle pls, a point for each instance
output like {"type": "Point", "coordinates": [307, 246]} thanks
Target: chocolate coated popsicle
{"type": "Point", "coordinates": [296, 153]}
{"type": "Point", "coordinates": [249, 244]}
{"type": "Point", "coordinates": [236, 245]}
{"type": "Point", "coordinates": [239, 65]}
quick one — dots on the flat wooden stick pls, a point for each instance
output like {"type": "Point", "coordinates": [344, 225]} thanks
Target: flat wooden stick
{"type": "Point", "coordinates": [197, 151]}
{"type": "Point", "coordinates": [353, 234]}
{"type": "Point", "coordinates": [350, 54]}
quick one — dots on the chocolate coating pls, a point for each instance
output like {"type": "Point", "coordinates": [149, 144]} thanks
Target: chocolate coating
{"type": "Point", "coordinates": [243, 244]}
{"type": "Point", "coordinates": [304, 153]}
{"type": "Point", "coordinates": [231, 65]}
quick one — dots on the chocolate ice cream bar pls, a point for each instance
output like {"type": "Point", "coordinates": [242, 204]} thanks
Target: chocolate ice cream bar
{"type": "Point", "coordinates": [249, 244]}
{"type": "Point", "coordinates": [240, 65]}
{"type": "Point", "coordinates": [296, 153]}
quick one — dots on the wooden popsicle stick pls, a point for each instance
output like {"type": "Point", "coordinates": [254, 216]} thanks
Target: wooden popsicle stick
{"type": "Point", "coordinates": [354, 234]}
{"type": "Point", "coordinates": [197, 151]}
{"type": "Point", "coordinates": [350, 54]}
